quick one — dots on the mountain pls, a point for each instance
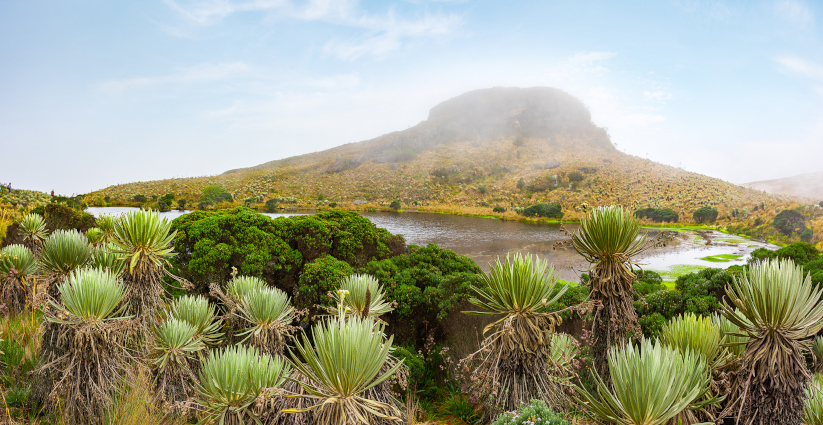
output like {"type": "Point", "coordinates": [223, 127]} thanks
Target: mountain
{"type": "Point", "coordinates": [809, 185]}
{"type": "Point", "coordinates": [507, 147]}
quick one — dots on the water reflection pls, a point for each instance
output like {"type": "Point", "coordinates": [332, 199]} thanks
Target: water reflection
{"type": "Point", "coordinates": [483, 240]}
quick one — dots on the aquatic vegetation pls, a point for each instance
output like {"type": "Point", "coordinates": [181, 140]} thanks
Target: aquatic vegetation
{"type": "Point", "coordinates": [721, 258]}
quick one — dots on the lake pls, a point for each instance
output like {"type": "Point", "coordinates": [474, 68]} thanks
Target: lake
{"type": "Point", "coordinates": [483, 240]}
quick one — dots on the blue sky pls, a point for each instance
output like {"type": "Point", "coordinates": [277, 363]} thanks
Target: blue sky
{"type": "Point", "coordinates": [94, 93]}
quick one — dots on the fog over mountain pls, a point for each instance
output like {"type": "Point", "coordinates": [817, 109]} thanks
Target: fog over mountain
{"type": "Point", "coordinates": [809, 185]}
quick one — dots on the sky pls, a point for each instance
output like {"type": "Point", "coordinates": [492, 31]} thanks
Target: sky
{"type": "Point", "coordinates": [97, 92]}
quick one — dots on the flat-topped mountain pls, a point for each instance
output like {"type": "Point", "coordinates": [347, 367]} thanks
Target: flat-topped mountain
{"type": "Point", "coordinates": [809, 185]}
{"type": "Point", "coordinates": [504, 147]}
{"type": "Point", "coordinates": [500, 113]}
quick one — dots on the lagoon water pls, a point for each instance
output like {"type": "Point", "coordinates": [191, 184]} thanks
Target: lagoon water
{"type": "Point", "coordinates": [483, 240]}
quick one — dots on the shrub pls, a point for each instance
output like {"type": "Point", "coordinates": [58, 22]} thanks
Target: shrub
{"type": "Point", "coordinates": [551, 210]}
{"type": "Point", "coordinates": [181, 204]}
{"type": "Point", "coordinates": [211, 243]}
{"type": "Point", "coordinates": [215, 194]}
{"type": "Point", "coordinates": [66, 218]}
{"type": "Point", "coordinates": [271, 205]}
{"type": "Point", "coordinates": [799, 252]}
{"type": "Point", "coordinates": [705, 215]}
{"type": "Point", "coordinates": [535, 413]}
{"type": "Point", "coordinates": [320, 277]}
{"type": "Point", "coordinates": [667, 215]}
{"type": "Point", "coordinates": [576, 177]}
{"type": "Point", "coordinates": [395, 205]}
{"type": "Point", "coordinates": [807, 235]}
{"type": "Point", "coordinates": [140, 198]}
{"type": "Point", "coordinates": [521, 183]}
{"type": "Point", "coordinates": [499, 209]}
{"type": "Point", "coordinates": [427, 284]}
{"type": "Point", "coordinates": [482, 189]}
{"type": "Point", "coordinates": [789, 221]}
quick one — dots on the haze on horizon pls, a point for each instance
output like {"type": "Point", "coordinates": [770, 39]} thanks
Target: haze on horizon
{"type": "Point", "coordinates": [96, 93]}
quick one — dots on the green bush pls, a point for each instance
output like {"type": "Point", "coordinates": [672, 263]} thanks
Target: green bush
{"type": "Point", "coordinates": [59, 216]}
{"type": "Point", "coordinates": [427, 283]}
{"type": "Point", "coordinates": [652, 324]}
{"type": "Point", "coordinates": [140, 198]}
{"type": "Point", "coordinates": [395, 205]}
{"type": "Point", "coordinates": [799, 252]}
{"type": "Point", "coordinates": [807, 235]}
{"type": "Point", "coordinates": [181, 204]}
{"type": "Point", "coordinates": [802, 253]}
{"type": "Point", "coordinates": [210, 243]}
{"type": "Point", "coordinates": [271, 205]}
{"type": "Point", "coordinates": [648, 282]}
{"type": "Point", "coordinates": [551, 210]}
{"type": "Point", "coordinates": [575, 177]}
{"type": "Point", "coordinates": [320, 277]}
{"type": "Point", "coordinates": [215, 194]}
{"type": "Point", "coordinates": [666, 215]}
{"type": "Point", "coordinates": [536, 413]}
{"type": "Point", "coordinates": [499, 209]}
{"type": "Point", "coordinates": [697, 293]}
{"type": "Point", "coordinates": [789, 221]}
{"type": "Point", "coordinates": [705, 215]}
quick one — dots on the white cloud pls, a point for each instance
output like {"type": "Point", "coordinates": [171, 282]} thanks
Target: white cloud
{"type": "Point", "coordinates": [199, 73]}
{"type": "Point", "coordinates": [800, 66]}
{"type": "Point", "coordinates": [382, 33]}
{"type": "Point", "coordinates": [207, 12]}
{"type": "Point", "coordinates": [794, 12]}
{"type": "Point", "coordinates": [336, 82]}
{"type": "Point", "coordinates": [657, 95]}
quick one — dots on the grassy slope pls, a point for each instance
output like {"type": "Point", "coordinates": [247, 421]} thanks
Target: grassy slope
{"type": "Point", "coordinates": [468, 157]}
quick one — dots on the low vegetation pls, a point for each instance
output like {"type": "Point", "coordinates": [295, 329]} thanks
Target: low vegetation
{"type": "Point", "coordinates": [245, 319]}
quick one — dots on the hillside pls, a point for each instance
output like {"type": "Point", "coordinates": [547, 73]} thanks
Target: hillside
{"type": "Point", "coordinates": [507, 147]}
{"type": "Point", "coordinates": [809, 185]}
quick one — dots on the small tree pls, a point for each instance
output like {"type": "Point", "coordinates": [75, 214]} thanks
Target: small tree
{"type": "Point", "coordinates": [140, 198]}
{"type": "Point", "coordinates": [522, 183]}
{"type": "Point", "coordinates": [271, 205]}
{"type": "Point", "coordinates": [575, 177]}
{"type": "Point", "coordinates": [181, 204]}
{"type": "Point", "coordinates": [705, 215]}
{"type": "Point", "coordinates": [395, 205]}
{"type": "Point", "coordinates": [789, 221]}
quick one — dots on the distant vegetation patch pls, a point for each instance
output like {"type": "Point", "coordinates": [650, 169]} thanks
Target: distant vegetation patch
{"type": "Point", "coordinates": [721, 258]}
{"type": "Point", "coordinates": [664, 215]}
{"type": "Point", "coordinates": [550, 210]}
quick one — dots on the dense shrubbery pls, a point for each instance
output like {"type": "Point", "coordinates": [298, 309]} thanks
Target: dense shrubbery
{"type": "Point", "coordinates": [802, 253]}
{"type": "Point", "coordinates": [215, 194]}
{"type": "Point", "coordinates": [705, 215]}
{"type": "Point", "coordinates": [550, 210]}
{"type": "Point", "coordinates": [427, 284]}
{"type": "Point", "coordinates": [535, 413]}
{"type": "Point", "coordinates": [211, 243]}
{"type": "Point", "coordinates": [789, 221]}
{"type": "Point", "coordinates": [699, 293]}
{"type": "Point", "coordinates": [659, 215]}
